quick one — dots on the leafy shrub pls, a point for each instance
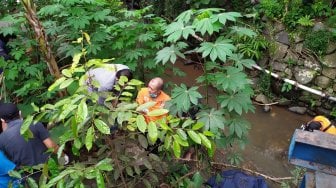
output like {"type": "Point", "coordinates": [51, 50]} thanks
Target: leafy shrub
{"type": "Point", "coordinates": [306, 21]}
{"type": "Point", "coordinates": [253, 47]}
{"type": "Point", "coordinates": [321, 9]}
{"type": "Point", "coordinates": [318, 41]}
{"type": "Point", "coordinates": [291, 18]}
{"type": "Point", "coordinates": [272, 8]}
{"type": "Point", "coordinates": [331, 22]}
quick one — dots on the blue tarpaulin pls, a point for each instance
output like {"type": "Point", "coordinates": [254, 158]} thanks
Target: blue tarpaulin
{"type": "Point", "coordinates": [5, 167]}
{"type": "Point", "coordinates": [236, 179]}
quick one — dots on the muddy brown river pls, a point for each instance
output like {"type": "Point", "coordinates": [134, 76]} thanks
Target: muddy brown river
{"type": "Point", "coordinates": [269, 136]}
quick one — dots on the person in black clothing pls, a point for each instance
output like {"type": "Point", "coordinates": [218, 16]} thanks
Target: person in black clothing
{"type": "Point", "coordinates": [16, 148]}
{"type": "Point", "coordinates": [3, 50]}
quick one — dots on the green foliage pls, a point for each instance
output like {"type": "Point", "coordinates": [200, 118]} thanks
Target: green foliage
{"type": "Point", "coordinates": [87, 127]}
{"type": "Point", "coordinates": [272, 8]}
{"type": "Point", "coordinates": [223, 69]}
{"type": "Point", "coordinates": [333, 112]}
{"type": "Point", "coordinates": [183, 99]}
{"type": "Point", "coordinates": [292, 17]}
{"type": "Point", "coordinates": [306, 21]}
{"type": "Point", "coordinates": [297, 173]}
{"type": "Point", "coordinates": [265, 84]}
{"type": "Point", "coordinates": [286, 87]}
{"type": "Point", "coordinates": [318, 41]}
{"type": "Point", "coordinates": [132, 38]}
{"type": "Point", "coordinates": [321, 9]}
{"type": "Point", "coordinates": [252, 47]}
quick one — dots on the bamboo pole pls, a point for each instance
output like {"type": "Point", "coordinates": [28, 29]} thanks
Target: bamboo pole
{"type": "Point", "coordinates": [41, 37]}
{"type": "Point", "coordinates": [295, 83]}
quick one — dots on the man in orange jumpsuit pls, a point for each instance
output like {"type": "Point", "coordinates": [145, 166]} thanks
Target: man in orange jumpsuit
{"type": "Point", "coordinates": [153, 92]}
{"type": "Point", "coordinates": [321, 123]}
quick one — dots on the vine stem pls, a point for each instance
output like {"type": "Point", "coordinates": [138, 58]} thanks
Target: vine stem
{"type": "Point", "coordinates": [275, 179]}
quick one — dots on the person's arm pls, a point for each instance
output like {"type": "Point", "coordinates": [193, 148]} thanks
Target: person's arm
{"type": "Point", "coordinates": [140, 97]}
{"type": "Point", "coordinates": [50, 144]}
{"type": "Point", "coordinates": [43, 134]}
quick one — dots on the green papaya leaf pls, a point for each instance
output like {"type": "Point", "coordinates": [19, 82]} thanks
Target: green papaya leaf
{"type": "Point", "coordinates": [141, 123]}
{"type": "Point", "coordinates": [60, 151]}
{"type": "Point", "coordinates": [167, 142]}
{"type": "Point", "coordinates": [194, 136]}
{"type": "Point", "coordinates": [64, 173]}
{"type": "Point", "coordinates": [164, 126]}
{"type": "Point", "coordinates": [32, 183]}
{"type": "Point", "coordinates": [129, 171]}
{"type": "Point", "coordinates": [67, 73]}
{"type": "Point", "coordinates": [180, 141]}
{"type": "Point", "coordinates": [152, 132]}
{"type": "Point", "coordinates": [66, 83]}
{"type": "Point", "coordinates": [56, 83]}
{"type": "Point", "coordinates": [205, 141]}
{"type": "Point", "coordinates": [187, 123]}
{"type": "Point", "coordinates": [100, 179]}
{"type": "Point", "coordinates": [146, 105]}
{"type": "Point", "coordinates": [211, 151]}
{"type": "Point", "coordinates": [135, 82]}
{"type": "Point", "coordinates": [14, 174]}
{"type": "Point", "coordinates": [176, 149]}
{"type": "Point", "coordinates": [89, 138]}
{"type": "Point", "coordinates": [105, 164]}
{"type": "Point", "coordinates": [158, 112]}
{"type": "Point", "coordinates": [182, 134]}
{"type": "Point", "coordinates": [101, 126]}
{"type": "Point", "coordinates": [197, 126]}
{"type": "Point", "coordinates": [208, 133]}
{"type": "Point", "coordinates": [143, 141]}
{"type": "Point", "coordinates": [26, 123]}
{"type": "Point", "coordinates": [82, 111]}
{"type": "Point", "coordinates": [198, 179]}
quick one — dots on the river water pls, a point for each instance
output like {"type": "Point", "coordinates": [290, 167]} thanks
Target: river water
{"type": "Point", "coordinates": [270, 132]}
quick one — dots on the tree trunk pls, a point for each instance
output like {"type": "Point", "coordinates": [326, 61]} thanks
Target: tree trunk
{"type": "Point", "coordinates": [41, 37]}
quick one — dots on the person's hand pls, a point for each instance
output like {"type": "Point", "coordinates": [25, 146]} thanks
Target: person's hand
{"type": "Point", "coordinates": [64, 160]}
{"type": "Point", "coordinates": [145, 111]}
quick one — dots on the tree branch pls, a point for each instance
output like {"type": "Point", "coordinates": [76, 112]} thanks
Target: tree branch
{"type": "Point", "coordinates": [275, 179]}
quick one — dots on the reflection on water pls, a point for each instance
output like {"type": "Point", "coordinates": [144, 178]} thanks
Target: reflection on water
{"type": "Point", "coordinates": [269, 136]}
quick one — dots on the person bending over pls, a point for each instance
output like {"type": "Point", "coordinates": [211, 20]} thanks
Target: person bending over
{"type": "Point", "coordinates": [320, 123]}
{"type": "Point", "coordinates": [106, 77]}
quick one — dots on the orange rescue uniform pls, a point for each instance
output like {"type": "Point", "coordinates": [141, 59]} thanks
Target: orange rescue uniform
{"type": "Point", "coordinates": [144, 97]}
{"type": "Point", "coordinates": [325, 123]}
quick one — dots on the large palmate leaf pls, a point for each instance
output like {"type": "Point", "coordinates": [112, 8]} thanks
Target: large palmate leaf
{"type": "Point", "coordinates": [184, 97]}
{"type": "Point", "coordinates": [168, 53]}
{"type": "Point", "coordinates": [220, 49]}
{"type": "Point", "coordinates": [238, 127]}
{"type": "Point", "coordinates": [101, 15]}
{"type": "Point", "coordinates": [213, 119]}
{"type": "Point", "coordinates": [185, 16]}
{"type": "Point", "coordinates": [242, 31]}
{"type": "Point", "coordinates": [233, 80]}
{"type": "Point", "coordinates": [223, 17]}
{"type": "Point", "coordinates": [79, 22]}
{"type": "Point", "coordinates": [204, 25]}
{"type": "Point", "coordinates": [51, 9]}
{"type": "Point", "coordinates": [176, 30]}
{"type": "Point", "coordinates": [148, 36]}
{"type": "Point", "coordinates": [237, 102]}
{"type": "Point", "coordinates": [240, 62]}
